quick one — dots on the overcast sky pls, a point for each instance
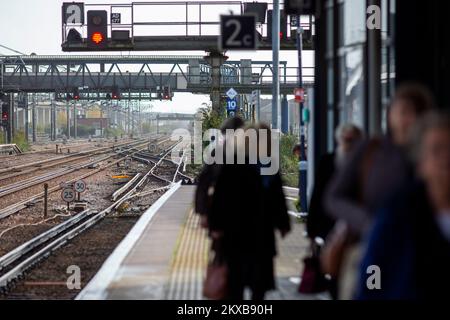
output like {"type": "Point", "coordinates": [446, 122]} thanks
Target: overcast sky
{"type": "Point", "coordinates": [34, 26]}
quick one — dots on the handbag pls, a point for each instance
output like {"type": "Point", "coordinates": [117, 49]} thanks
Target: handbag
{"type": "Point", "coordinates": [215, 286]}
{"type": "Point", "coordinates": [312, 280]}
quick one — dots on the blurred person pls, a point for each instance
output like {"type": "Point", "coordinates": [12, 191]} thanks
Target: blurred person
{"type": "Point", "coordinates": [296, 151]}
{"type": "Point", "coordinates": [410, 239]}
{"type": "Point", "coordinates": [376, 169]}
{"type": "Point", "coordinates": [378, 166]}
{"type": "Point", "coordinates": [246, 209]}
{"type": "Point", "coordinates": [319, 223]}
{"type": "Point", "coordinates": [208, 176]}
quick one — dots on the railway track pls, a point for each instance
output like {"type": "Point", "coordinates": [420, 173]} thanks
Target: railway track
{"type": "Point", "coordinates": [17, 187]}
{"type": "Point", "coordinates": [20, 185]}
{"type": "Point", "coordinates": [79, 144]}
{"type": "Point", "coordinates": [14, 264]}
{"type": "Point", "coordinates": [48, 163]}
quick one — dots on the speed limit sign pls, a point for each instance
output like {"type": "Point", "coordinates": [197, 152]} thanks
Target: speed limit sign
{"type": "Point", "coordinates": [80, 186]}
{"type": "Point", "coordinates": [68, 194]}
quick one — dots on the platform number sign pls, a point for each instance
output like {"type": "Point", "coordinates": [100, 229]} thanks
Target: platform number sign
{"type": "Point", "coordinates": [73, 12]}
{"type": "Point", "coordinates": [68, 195]}
{"type": "Point", "coordinates": [115, 18]}
{"type": "Point", "coordinates": [237, 32]}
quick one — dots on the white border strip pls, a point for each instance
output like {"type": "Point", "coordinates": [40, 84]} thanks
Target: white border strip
{"type": "Point", "coordinates": [96, 288]}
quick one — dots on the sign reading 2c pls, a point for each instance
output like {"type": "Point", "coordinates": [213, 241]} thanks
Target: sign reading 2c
{"type": "Point", "coordinates": [237, 32]}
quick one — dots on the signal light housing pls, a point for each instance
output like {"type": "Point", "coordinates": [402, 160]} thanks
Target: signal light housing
{"type": "Point", "coordinates": [283, 25]}
{"type": "Point", "coordinates": [5, 108]}
{"type": "Point", "coordinates": [76, 94]}
{"type": "Point", "coordinates": [115, 94]}
{"type": "Point", "coordinates": [97, 28]}
{"type": "Point", "coordinates": [166, 95]}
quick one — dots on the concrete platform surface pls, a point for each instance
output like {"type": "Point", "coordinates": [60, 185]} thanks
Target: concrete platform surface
{"type": "Point", "coordinates": [165, 256]}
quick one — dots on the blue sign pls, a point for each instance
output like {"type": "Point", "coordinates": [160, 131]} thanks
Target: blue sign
{"type": "Point", "coordinates": [231, 104]}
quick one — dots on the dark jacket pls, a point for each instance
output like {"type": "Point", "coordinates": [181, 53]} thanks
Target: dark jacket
{"type": "Point", "coordinates": [206, 179]}
{"type": "Point", "coordinates": [247, 208]}
{"type": "Point", "coordinates": [319, 223]}
{"type": "Point", "coordinates": [410, 250]}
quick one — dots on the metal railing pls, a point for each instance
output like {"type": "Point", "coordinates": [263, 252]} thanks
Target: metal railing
{"type": "Point", "coordinates": [177, 18]}
{"type": "Point", "coordinates": [251, 75]}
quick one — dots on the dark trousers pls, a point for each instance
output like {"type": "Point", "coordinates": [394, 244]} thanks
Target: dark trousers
{"type": "Point", "coordinates": [250, 274]}
{"type": "Point", "coordinates": [236, 293]}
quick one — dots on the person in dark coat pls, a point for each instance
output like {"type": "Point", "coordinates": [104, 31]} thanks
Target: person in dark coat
{"type": "Point", "coordinates": [410, 239]}
{"type": "Point", "coordinates": [208, 176]}
{"type": "Point", "coordinates": [246, 209]}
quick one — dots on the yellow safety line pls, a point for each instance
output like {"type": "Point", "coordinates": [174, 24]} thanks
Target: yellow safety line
{"type": "Point", "coordinates": [189, 261]}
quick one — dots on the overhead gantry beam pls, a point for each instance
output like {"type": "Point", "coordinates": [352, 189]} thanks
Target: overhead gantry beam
{"type": "Point", "coordinates": [137, 77]}
{"type": "Point", "coordinates": [168, 26]}
{"type": "Point", "coordinates": [174, 43]}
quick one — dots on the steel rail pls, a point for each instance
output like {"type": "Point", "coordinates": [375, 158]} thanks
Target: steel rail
{"type": "Point", "coordinates": [18, 186]}
{"type": "Point", "coordinates": [5, 212]}
{"type": "Point", "coordinates": [14, 255]}
{"type": "Point", "coordinates": [170, 182]}
{"type": "Point", "coordinates": [86, 152]}
{"type": "Point", "coordinates": [125, 187]}
{"type": "Point", "coordinates": [63, 233]}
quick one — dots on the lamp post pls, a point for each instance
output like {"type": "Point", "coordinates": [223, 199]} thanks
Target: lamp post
{"type": "Point", "coordinates": [215, 60]}
{"type": "Point", "coordinates": [302, 185]}
{"type": "Point", "coordinates": [276, 63]}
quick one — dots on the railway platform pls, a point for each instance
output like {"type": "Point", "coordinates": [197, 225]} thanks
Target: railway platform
{"type": "Point", "coordinates": [165, 256]}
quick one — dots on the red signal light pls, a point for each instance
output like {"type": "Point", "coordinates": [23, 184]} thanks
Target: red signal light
{"type": "Point", "coordinates": [115, 94]}
{"type": "Point", "coordinates": [5, 116]}
{"type": "Point", "coordinates": [97, 37]}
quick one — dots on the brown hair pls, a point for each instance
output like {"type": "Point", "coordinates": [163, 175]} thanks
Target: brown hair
{"type": "Point", "coordinates": [417, 95]}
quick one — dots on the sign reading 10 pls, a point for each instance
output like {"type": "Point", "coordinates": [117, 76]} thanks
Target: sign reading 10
{"type": "Point", "coordinates": [231, 104]}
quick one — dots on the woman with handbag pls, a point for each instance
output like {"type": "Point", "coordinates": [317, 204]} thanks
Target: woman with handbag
{"type": "Point", "coordinates": [246, 209]}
